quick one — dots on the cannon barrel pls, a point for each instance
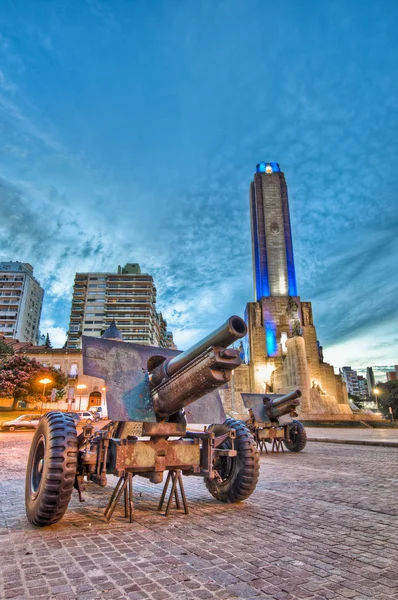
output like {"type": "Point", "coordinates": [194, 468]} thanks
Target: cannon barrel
{"type": "Point", "coordinates": [197, 371]}
{"type": "Point", "coordinates": [233, 329]}
{"type": "Point", "coordinates": [284, 405]}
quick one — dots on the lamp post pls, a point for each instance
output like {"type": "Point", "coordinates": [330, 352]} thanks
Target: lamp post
{"type": "Point", "coordinates": [81, 387]}
{"type": "Point", "coordinates": [44, 381]}
{"type": "Point", "coordinates": [376, 392]}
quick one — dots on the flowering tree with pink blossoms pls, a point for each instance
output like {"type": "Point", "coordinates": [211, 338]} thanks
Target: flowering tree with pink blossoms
{"type": "Point", "coordinates": [20, 375]}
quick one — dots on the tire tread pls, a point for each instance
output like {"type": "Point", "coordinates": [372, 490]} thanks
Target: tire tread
{"type": "Point", "coordinates": [56, 485]}
{"type": "Point", "coordinates": [245, 479]}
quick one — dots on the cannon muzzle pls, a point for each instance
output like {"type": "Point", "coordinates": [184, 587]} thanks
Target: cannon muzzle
{"type": "Point", "coordinates": [283, 405]}
{"type": "Point", "coordinates": [201, 369]}
{"type": "Point", "coordinates": [233, 329]}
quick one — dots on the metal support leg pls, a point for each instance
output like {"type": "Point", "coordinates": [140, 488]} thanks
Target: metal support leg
{"type": "Point", "coordinates": [130, 497]}
{"type": "Point", "coordinates": [175, 477]}
{"type": "Point", "coordinates": [77, 485]}
{"type": "Point", "coordinates": [277, 445]}
{"type": "Point", "coordinates": [125, 485]}
{"type": "Point", "coordinates": [261, 445]}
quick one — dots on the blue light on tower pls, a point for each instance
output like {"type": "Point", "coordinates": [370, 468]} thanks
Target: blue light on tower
{"type": "Point", "coordinates": [269, 167]}
{"type": "Point", "coordinates": [270, 338]}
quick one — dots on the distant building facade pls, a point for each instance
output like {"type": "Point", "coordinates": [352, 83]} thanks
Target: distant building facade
{"type": "Point", "coordinates": [370, 379]}
{"type": "Point", "coordinates": [21, 301]}
{"type": "Point", "coordinates": [128, 297]}
{"type": "Point", "coordinates": [350, 377]}
{"type": "Point", "coordinates": [70, 362]}
{"type": "Point", "coordinates": [391, 376]}
{"type": "Point", "coordinates": [363, 387]}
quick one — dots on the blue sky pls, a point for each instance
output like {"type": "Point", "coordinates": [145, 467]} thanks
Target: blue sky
{"type": "Point", "coordinates": [130, 131]}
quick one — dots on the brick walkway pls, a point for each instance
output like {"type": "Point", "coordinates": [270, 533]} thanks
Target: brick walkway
{"type": "Point", "coordinates": [321, 524]}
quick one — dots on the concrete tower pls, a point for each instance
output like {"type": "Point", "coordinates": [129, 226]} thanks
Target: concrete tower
{"type": "Point", "coordinates": [273, 262]}
{"type": "Point", "coordinates": [281, 349]}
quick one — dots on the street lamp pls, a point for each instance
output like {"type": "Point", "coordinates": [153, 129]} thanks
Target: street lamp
{"type": "Point", "coordinates": [44, 381]}
{"type": "Point", "coordinates": [376, 392]}
{"type": "Point", "coordinates": [81, 387]}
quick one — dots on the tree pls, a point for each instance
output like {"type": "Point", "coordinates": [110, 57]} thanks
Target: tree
{"type": "Point", "coordinates": [5, 351]}
{"type": "Point", "coordinates": [48, 343]}
{"type": "Point", "coordinates": [20, 375]}
{"type": "Point", "coordinates": [59, 394]}
{"type": "Point", "coordinates": [388, 397]}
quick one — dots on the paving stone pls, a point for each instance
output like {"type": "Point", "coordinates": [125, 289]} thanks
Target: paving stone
{"type": "Point", "coordinates": [321, 525]}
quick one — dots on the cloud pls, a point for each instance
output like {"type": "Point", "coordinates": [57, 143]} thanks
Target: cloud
{"type": "Point", "coordinates": [57, 334]}
{"type": "Point", "coordinates": [143, 151]}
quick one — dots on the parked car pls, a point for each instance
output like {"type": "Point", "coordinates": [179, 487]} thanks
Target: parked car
{"type": "Point", "coordinates": [86, 416]}
{"type": "Point", "coordinates": [21, 422]}
{"type": "Point", "coordinates": [74, 416]}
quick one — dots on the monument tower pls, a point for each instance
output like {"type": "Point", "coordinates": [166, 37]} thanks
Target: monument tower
{"type": "Point", "coordinates": [273, 262]}
{"type": "Point", "coordinates": [281, 349]}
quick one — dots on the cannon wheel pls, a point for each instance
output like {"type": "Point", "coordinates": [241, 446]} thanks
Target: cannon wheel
{"type": "Point", "coordinates": [239, 473]}
{"type": "Point", "coordinates": [297, 437]}
{"type": "Point", "coordinates": [51, 470]}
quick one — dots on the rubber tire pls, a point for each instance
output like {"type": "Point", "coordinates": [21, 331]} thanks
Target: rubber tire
{"type": "Point", "coordinates": [246, 465]}
{"type": "Point", "coordinates": [301, 439]}
{"type": "Point", "coordinates": [48, 505]}
{"type": "Point", "coordinates": [12, 428]}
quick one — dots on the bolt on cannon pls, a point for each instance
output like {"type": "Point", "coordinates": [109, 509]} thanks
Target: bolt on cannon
{"type": "Point", "coordinates": [150, 394]}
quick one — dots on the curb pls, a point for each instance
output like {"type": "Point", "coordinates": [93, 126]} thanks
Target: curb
{"type": "Point", "coordinates": [355, 442]}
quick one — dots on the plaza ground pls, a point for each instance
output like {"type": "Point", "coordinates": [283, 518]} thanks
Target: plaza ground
{"type": "Point", "coordinates": [321, 524]}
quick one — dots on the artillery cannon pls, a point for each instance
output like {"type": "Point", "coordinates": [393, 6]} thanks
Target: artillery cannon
{"type": "Point", "coordinates": [271, 420]}
{"type": "Point", "coordinates": [151, 392]}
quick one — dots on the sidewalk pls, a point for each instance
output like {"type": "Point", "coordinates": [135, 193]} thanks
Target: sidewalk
{"type": "Point", "coordinates": [345, 435]}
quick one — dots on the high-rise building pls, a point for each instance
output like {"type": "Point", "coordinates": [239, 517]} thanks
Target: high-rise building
{"type": "Point", "coordinates": [350, 377]}
{"type": "Point", "coordinates": [21, 301]}
{"type": "Point", "coordinates": [127, 297]}
{"type": "Point", "coordinates": [272, 247]}
{"type": "Point", "coordinates": [391, 376]}
{"type": "Point", "coordinates": [362, 387]}
{"type": "Point", "coordinates": [370, 378]}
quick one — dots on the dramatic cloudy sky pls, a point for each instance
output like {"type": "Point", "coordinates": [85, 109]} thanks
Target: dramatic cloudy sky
{"type": "Point", "coordinates": [130, 131]}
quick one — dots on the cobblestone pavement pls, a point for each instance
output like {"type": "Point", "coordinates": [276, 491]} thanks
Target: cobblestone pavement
{"type": "Point", "coordinates": [321, 524]}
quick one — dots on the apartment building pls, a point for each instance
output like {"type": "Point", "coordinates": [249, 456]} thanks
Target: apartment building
{"type": "Point", "coordinates": [362, 387]}
{"type": "Point", "coordinates": [128, 297]}
{"type": "Point", "coordinates": [21, 301]}
{"type": "Point", "coordinates": [350, 377]}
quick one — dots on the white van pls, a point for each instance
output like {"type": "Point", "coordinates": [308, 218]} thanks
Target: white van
{"type": "Point", "coordinates": [100, 411]}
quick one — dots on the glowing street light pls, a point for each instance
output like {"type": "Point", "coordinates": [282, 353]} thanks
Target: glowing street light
{"type": "Point", "coordinates": [44, 381]}
{"type": "Point", "coordinates": [81, 387]}
{"type": "Point", "coordinates": [376, 392]}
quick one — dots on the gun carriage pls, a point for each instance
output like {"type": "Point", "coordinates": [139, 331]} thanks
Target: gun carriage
{"type": "Point", "coordinates": [272, 420]}
{"type": "Point", "coordinates": [150, 393]}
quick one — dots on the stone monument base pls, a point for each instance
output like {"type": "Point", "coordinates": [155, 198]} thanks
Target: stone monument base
{"type": "Point", "coordinates": [342, 417]}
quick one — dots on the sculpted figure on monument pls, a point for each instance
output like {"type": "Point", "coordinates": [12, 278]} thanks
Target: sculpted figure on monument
{"type": "Point", "coordinates": [292, 309]}
{"type": "Point", "coordinates": [293, 312]}
{"type": "Point", "coordinates": [296, 328]}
